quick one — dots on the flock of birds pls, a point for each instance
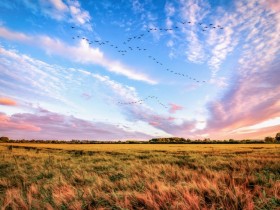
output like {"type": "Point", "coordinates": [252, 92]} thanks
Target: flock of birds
{"type": "Point", "coordinates": [126, 48]}
{"type": "Point", "coordinates": [203, 27]}
{"type": "Point", "coordinates": [143, 100]}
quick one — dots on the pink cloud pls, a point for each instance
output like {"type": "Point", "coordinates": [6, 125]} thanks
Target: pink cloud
{"type": "Point", "coordinates": [154, 123]}
{"type": "Point", "coordinates": [171, 118]}
{"type": "Point", "coordinates": [50, 125]}
{"type": "Point", "coordinates": [11, 124]}
{"type": "Point", "coordinates": [174, 108]}
{"type": "Point", "coordinates": [252, 99]}
{"type": "Point", "coordinates": [274, 5]}
{"type": "Point", "coordinates": [7, 102]}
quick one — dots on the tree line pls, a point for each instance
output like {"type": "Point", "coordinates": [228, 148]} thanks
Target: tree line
{"type": "Point", "coordinates": [169, 140]}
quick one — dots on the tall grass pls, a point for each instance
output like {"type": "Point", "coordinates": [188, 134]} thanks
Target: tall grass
{"type": "Point", "coordinates": [131, 177]}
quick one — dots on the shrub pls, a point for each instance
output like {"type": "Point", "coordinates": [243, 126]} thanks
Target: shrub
{"type": "Point", "coordinates": [4, 139]}
{"type": "Point", "coordinates": [269, 139]}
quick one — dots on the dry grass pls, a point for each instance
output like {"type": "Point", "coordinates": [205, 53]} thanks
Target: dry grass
{"type": "Point", "coordinates": [139, 176]}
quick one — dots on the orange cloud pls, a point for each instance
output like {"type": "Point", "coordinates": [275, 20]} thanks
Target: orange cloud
{"type": "Point", "coordinates": [7, 102]}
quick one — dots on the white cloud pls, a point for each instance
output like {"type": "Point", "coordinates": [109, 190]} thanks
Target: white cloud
{"type": "Point", "coordinates": [62, 10]}
{"type": "Point", "coordinates": [7, 34]}
{"type": "Point", "coordinates": [58, 4]}
{"type": "Point", "coordinates": [21, 72]}
{"type": "Point", "coordinates": [169, 9]}
{"type": "Point", "coordinates": [81, 53]}
{"type": "Point", "coordinates": [193, 11]}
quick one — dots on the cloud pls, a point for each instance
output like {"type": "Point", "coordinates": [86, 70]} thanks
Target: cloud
{"type": "Point", "coordinates": [7, 102]}
{"type": "Point", "coordinates": [68, 11]}
{"type": "Point", "coordinates": [274, 5]}
{"type": "Point", "coordinates": [14, 125]}
{"type": "Point", "coordinates": [252, 95]}
{"type": "Point", "coordinates": [174, 108]}
{"type": "Point", "coordinates": [46, 83]}
{"type": "Point", "coordinates": [58, 4]}
{"type": "Point", "coordinates": [169, 9]}
{"type": "Point", "coordinates": [253, 99]}
{"type": "Point", "coordinates": [137, 6]}
{"type": "Point", "coordinates": [81, 53]}
{"type": "Point", "coordinates": [193, 11]}
{"type": "Point", "coordinates": [51, 125]}
{"type": "Point", "coordinates": [16, 36]}
{"type": "Point", "coordinates": [142, 112]}
{"type": "Point", "coordinates": [241, 26]}
{"type": "Point", "coordinates": [19, 72]}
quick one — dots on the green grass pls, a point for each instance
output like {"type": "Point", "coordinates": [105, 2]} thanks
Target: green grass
{"type": "Point", "coordinates": [39, 176]}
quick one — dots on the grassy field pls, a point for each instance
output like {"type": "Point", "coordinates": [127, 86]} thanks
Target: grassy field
{"type": "Point", "coordinates": [131, 176]}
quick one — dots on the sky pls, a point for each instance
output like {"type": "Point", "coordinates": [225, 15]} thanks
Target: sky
{"type": "Point", "coordinates": [139, 69]}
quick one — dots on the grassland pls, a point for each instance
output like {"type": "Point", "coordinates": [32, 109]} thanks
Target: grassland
{"type": "Point", "coordinates": [64, 176]}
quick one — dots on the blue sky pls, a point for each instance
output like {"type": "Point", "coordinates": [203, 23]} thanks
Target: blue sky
{"type": "Point", "coordinates": [136, 69]}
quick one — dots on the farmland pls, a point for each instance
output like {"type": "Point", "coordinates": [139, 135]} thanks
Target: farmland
{"type": "Point", "coordinates": [134, 176]}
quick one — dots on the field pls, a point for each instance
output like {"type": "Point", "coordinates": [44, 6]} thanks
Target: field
{"type": "Point", "coordinates": [134, 176]}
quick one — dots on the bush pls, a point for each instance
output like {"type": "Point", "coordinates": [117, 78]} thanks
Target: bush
{"type": "Point", "coordinates": [269, 139]}
{"type": "Point", "coordinates": [4, 139]}
{"type": "Point", "coordinates": [277, 137]}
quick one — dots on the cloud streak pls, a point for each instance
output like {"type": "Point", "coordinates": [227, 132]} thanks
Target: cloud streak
{"type": "Point", "coordinates": [7, 102]}
{"type": "Point", "coordinates": [81, 53]}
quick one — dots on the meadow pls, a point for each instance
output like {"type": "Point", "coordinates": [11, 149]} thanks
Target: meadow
{"type": "Point", "coordinates": [135, 176]}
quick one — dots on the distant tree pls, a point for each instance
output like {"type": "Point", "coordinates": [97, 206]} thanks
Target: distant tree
{"type": "Point", "coordinates": [269, 139]}
{"type": "Point", "coordinates": [167, 140]}
{"type": "Point", "coordinates": [277, 137]}
{"type": "Point", "coordinates": [4, 139]}
{"type": "Point", "coordinates": [206, 140]}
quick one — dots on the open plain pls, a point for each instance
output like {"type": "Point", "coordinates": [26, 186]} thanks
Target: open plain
{"type": "Point", "coordinates": [139, 176]}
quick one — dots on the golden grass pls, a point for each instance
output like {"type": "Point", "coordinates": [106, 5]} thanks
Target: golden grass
{"type": "Point", "coordinates": [39, 176]}
{"type": "Point", "coordinates": [149, 147]}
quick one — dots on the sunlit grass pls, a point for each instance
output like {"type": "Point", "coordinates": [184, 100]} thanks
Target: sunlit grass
{"type": "Point", "coordinates": [139, 176]}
